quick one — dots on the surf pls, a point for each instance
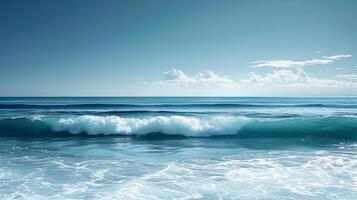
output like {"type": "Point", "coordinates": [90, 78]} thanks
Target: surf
{"type": "Point", "coordinates": [186, 126]}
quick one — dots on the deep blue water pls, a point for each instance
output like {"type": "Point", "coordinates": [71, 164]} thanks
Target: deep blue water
{"type": "Point", "coordinates": [178, 148]}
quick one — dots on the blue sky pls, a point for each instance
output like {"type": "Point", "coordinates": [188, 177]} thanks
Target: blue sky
{"type": "Point", "coordinates": [175, 48]}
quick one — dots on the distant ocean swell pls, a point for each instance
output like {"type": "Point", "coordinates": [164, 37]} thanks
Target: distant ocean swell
{"type": "Point", "coordinates": [344, 127]}
{"type": "Point", "coordinates": [175, 105]}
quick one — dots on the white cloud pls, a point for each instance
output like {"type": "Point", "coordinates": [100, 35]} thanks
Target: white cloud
{"type": "Point", "coordinates": [298, 64]}
{"type": "Point", "coordinates": [293, 78]}
{"type": "Point", "coordinates": [290, 63]}
{"type": "Point", "coordinates": [281, 78]}
{"type": "Point", "coordinates": [176, 77]}
{"type": "Point", "coordinates": [347, 76]}
{"type": "Point", "coordinates": [338, 57]}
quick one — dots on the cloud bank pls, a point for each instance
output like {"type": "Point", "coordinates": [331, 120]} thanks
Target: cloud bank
{"type": "Point", "coordinates": [292, 75]}
{"type": "Point", "coordinates": [293, 78]}
{"type": "Point", "coordinates": [279, 78]}
{"type": "Point", "coordinates": [176, 77]}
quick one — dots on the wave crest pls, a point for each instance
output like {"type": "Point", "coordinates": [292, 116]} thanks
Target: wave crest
{"type": "Point", "coordinates": [170, 125]}
{"type": "Point", "coordinates": [188, 126]}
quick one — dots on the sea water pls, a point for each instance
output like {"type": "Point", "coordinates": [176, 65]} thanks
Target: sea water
{"type": "Point", "coordinates": [178, 148]}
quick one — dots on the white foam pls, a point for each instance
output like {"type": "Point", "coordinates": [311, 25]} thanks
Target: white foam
{"type": "Point", "coordinates": [170, 125]}
{"type": "Point", "coordinates": [306, 176]}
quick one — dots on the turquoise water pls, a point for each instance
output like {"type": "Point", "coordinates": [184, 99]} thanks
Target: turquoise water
{"type": "Point", "coordinates": [178, 148]}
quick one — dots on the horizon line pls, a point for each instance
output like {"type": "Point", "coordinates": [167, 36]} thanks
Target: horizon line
{"type": "Point", "coordinates": [138, 96]}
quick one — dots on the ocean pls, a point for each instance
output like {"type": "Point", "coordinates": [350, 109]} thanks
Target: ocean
{"type": "Point", "coordinates": [178, 148]}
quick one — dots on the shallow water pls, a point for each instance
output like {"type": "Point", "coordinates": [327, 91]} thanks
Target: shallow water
{"type": "Point", "coordinates": [178, 148]}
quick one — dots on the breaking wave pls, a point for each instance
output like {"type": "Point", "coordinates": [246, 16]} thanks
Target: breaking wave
{"type": "Point", "coordinates": [171, 125]}
{"type": "Point", "coordinates": [186, 126]}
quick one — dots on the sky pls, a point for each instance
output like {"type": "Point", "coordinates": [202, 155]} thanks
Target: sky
{"type": "Point", "coordinates": [178, 48]}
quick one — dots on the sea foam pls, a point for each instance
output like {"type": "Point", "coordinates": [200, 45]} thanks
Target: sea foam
{"type": "Point", "coordinates": [170, 125]}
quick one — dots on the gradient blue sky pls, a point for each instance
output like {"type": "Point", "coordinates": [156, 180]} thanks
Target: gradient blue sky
{"type": "Point", "coordinates": [124, 48]}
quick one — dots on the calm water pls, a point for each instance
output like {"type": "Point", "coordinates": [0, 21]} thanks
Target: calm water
{"type": "Point", "coordinates": [178, 148]}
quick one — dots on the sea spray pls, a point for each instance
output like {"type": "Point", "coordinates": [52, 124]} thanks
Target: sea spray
{"type": "Point", "coordinates": [169, 125]}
